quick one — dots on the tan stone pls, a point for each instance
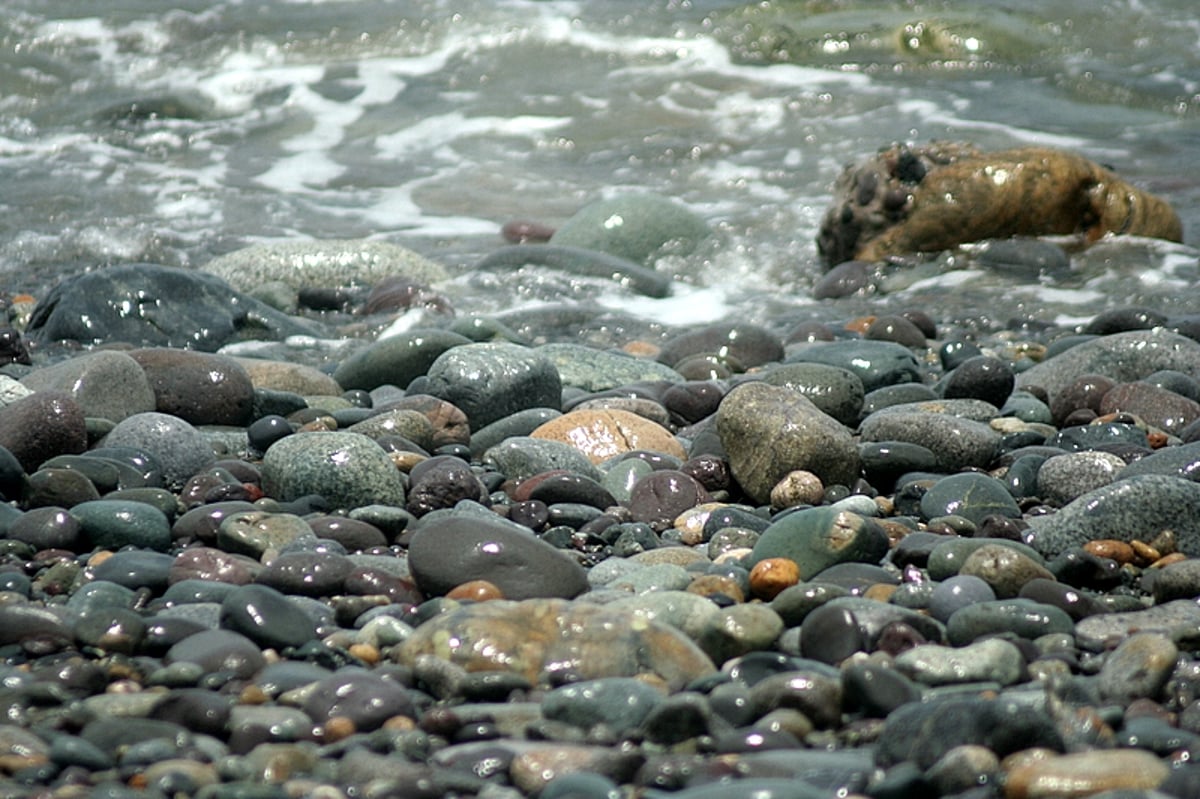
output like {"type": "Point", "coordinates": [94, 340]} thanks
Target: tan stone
{"type": "Point", "coordinates": [284, 376]}
{"type": "Point", "coordinates": [1086, 773]}
{"type": "Point", "coordinates": [603, 434]}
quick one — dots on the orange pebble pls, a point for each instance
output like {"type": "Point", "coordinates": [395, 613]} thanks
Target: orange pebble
{"type": "Point", "coordinates": [859, 324]}
{"type": "Point", "coordinates": [476, 591]}
{"type": "Point", "coordinates": [770, 576]}
{"type": "Point", "coordinates": [366, 653]}
{"type": "Point", "coordinates": [880, 592]}
{"type": "Point", "coordinates": [1111, 549]}
{"type": "Point", "coordinates": [1145, 552]}
{"type": "Point", "coordinates": [337, 728]}
{"type": "Point", "coordinates": [1167, 560]}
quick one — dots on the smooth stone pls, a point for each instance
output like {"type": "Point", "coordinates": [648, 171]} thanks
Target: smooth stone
{"type": "Point", "coordinates": [1180, 580]}
{"type": "Point", "coordinates": [539, 637]}
{"type": "Point", "coordinates": [812, 688]}
{"type": "Point", "coordinates": [603, 434]}
{"type": "Point", "coordinates": [46, 528]}
{"type": "Point", "coordinates": [1131, 508]}
{"type": "Point", "coordinates": [267, 617]}
{"type": "Point", "coordinates": [366, 699]}
{"type": "Point", "coordinates": [830, 634]}
{"type": "Point", "coordinates": [956, 592]}
{"type": "Point", "coordinates": [396, 360]}
{"type": "Point", "coordinates": [1158, 407]}
{"type": "Point", "coordinates": [877, 363]}
{"type": "Point", "coordinates": [457, 548]}
{"type": "Point", "coordinates": [287, 377]}
{"type": "Point", "coordinates": [1102, 773]}
{"type": "Point", "coordinates": [353, 534]}
{"type": "Point", "coordinates": [947, 556]}
{"type": "Point", "coordinates": [258, 533]}
{"type": "Point", "coordinates": [22, 624]}
{"type": "Point", "coordinates": [194, 590]}
{"type": "Point", "coordinates": [738, 629]}
{"type": "Point", "coordinates": [972, 496]}
{"type": "Point", "coordinates": [105, 384]}
{"type": "Point", "coordinates": [619, 703]}
{"type": "Point", "coordinates": [50, 486]}
{"type": "Point", "coordinates": [898, 394]}
{"type": "Point", "coordinates": [1021, 617]}
{"type": "Point", "coordinates": [1065, 478]}
{"type": "Point", "coordinates": [39, 426]}
{"type": "Point", "coordinates": [817, 538]}
{"type": "Point", "coordinates": [639, 227]}
{"type": "Point", "coordinates": [685, 611]}
{"type": "Point", "coordinates": [323, 263]}
{"type": "Point", "coordinates": [1138, 668]}
{"type": "Point", "coordinates": [218, 651]}
{"type": "Point", "coordinates": [517, 425]}
{"type": "Point", "coordinates": [755, 788]}
{"type": "Point", "coordinates": [136, 568]}
{"type": "Point", "coordinates": [179, 449]}
{"type": "Point", "coordinates": [442, 482]}
{"type": "Point", "coordinates": [579, 262]}
{"type": "Point", "coordinates": [740, 344]}
{"type": "Point", "coordinates": [1028, 408]}
{"type": "Point", "coordinates": [923, 732]}
{"type": "Point", "coordinates": [1093, 436]}
{"type": "Point", "coordinates": [891, 327]}
{"type": "Point", "coordinates": [1179, 461]}
{"type": "Point", "coordinates": [409, 424]}
{"type": "Point", "coordinates": [1004, 568]}
{"type": "Point", "coordinates": [661, 496]}
{"type": "Point", "coordinates": [1122, 357]}
{"type": "Point", "coordinates": [876, 689]}
{"type": "Point", "coordinates": [156, 306]}
{"type": "Point", "coordinates": [768, 432]}
{"type": "Point", "coordinates": [835, 391]}
{"type": "Point", "coordinates": [572, 487]}
{"type": "Point", "coordinates": [884, 461]}
{"type": "Point", "coordinates": [112, 524]}
{"type": "Point", "coordinates": [347, 469]}
{"type": "Point", "coordinates": [958, 442]}
{"type": "Point", "coordinates": [982, 377]}
{"type": "Point", "coordinates": [314, 574]}
{"type": "Point", "coordinates": [111, 629]}
{"type": "Point", "coordinates": [492, 380]}
{"type": "Point", "coordinates": [198, 387]}
{"type": "Point", "coordinates": [990, 660]}
{"type": "Point", "coordinates": [657, 577]}
{"type": "Point", "coordinates": [599, 370]}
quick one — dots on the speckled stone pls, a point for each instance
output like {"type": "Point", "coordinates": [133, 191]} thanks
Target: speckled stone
{"type": "Point", "coordinates": [105, 384]}
{"type": "Point", "coordinates": [638, 227]}
{"type": "Point", "coordinates": [1180, 461]}
{"type": "Point", "coordinates": [990, 660]}
{"type": "Point", "coordinates": [1133, 508]}
{"type": "Point", "coordinates": [112, 524]}
{"type": "Point", "coordinates": [522, 457]}
{"type": "Point", "coordinates": [1064, 478]}
{"type": "Point", "coordinates": [687, 612]}
{"type": "Point", "coordinates": [538, 636]}
{"type": "Point", "coordinates": [598, 370]}
{"type": "Point", "coordinates": [1159, 407]}
{"type": "Point", "coordinates": [957, 442]}
{"type": "Point", "coordinates": [1179, 620]}
{"type": "Point", "coordinates": [179, 448]}
{"type": "Point", "coordinates": [604, 434]}
{"type": "Point", "coordinates": [323, 263]}
{"type": "Point", "coordinates": [1004, 568]}
{"type": "Point", "coordinates": [409, 424]}
{"type": "Point", "coordinates": [348, 469]}
{"type": "Point", "coordinates": [768, 431]}
{"type": "Point", "coordinates": [256, 533]}
{"type": "Point", "coordinates": [492, 380]}
{"type": "Point", "coordinates": [286, 376]}
{"type": "Point", "coordinates": [834, 390]}
{"type": "Point", "coordinates": [1123, 357]}
{"type": "Point", "coordinates": [970, 495]}
{"type": "Point", "coordinates": [1138, 668]}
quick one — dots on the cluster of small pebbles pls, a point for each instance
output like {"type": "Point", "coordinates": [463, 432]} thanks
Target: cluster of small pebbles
{"type": "Point", "coordinates": [883, 558]}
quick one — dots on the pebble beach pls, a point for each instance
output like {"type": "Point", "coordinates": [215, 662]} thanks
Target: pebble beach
{"type": "Point", "coordinates": [548, 400]}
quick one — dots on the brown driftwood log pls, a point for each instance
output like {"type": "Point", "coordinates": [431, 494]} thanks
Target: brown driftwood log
{"type": "Point", "coordinates": [935, 197]}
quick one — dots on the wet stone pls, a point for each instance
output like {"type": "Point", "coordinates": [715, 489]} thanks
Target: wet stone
{"type": "Point", "coordinates": [522, 457]}
{"type": "Point", "coordinates": [1064, 478]}
{"type": "Point", "coordinates": [106, 384]}
{"type": "Point", "coordinates": [256, 533]}
{"type": "Point", "coordinates": [972, 496]}
{"type": "Point", "coordinates": [179, 449]}
{"type": "Point", "coordinates": [1020, 617]}
{"type": "Point", "coordinates": [1138, 668]}
{"type": "Point", "coordinates": [957, 592]}
{"type": "Point", "coordinates": [598, 370]}
{"type": "Point", "coordinates": [990, 660]}
{"type": "Point", "coordinates": [198, 387]}
{"type": "Point", "coordinates": [747, 345]}
{"type": "Point", "coordinates": [218, 650]}
{"type": "Point", "coordinates": [37, 427]}
{"type": "Point", "coordinates": [134, 568]}
{"type": "Point", "coordinates": [396, 360]}
{"type": "Point", "coordinates": [490, 381]}
{"type": "Point", "coordinates": [835, 391]}
{"type": "Point", "coordinates": [314, 574]}
{"type": "Point", "coordinates": [266, 616]}
{"type": "Point", "coordinates": [1004, 568]}
{"type": "Point", "coordinates": [607, 433]}
{"type": "Point", "coordinates": [112, 524]}
{"type": "Point", "coordinates": [818, 538]}
{"type": "Point", "coordinates": [347, 469]}
{"type": "Point", "coordinates": [957, 442]}
{"type": "Point", "coordinates": [366, 699]}
{"type": "Point", "coordinates": [877, 363]}
{"type": "Point", "coordinates": [620, 703]}
{"type": "Point", "coordinates": [982, 377]}
{"type": "Point", "coordinates": [1112, 772]}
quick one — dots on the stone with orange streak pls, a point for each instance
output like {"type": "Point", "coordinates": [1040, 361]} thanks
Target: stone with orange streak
{"type": "Point", "coordinates": [603, 433]}
{"type": "Point", "coordinates": [1086, 773]}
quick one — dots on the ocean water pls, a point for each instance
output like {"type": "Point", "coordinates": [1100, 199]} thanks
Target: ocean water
{"type": "Point", "coordinates": [172, 133]}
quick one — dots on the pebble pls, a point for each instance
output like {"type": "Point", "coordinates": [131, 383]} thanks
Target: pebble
{"type": "Point", "coordinates": [489, 381]}
{"type": "Point", "coordinates": [769, 431]}
{"type": "Point", "coordinates": [1121, 357]}
{"type": "Point", "coordinates": [640, 227]}
{"type": "Point", "coordinates": [595, 370]}
{"type": "Point", "coordinates": [603, 434]}
{"type": "Point", "coordinates": [177, 447]}
{"type": "Point", "coordinates": [1086, 774]}
{"type": "Point", "coordinates": [1138, 668]}
{"type": "Point", "coordinates": [106, 384]}
{"type": "Point", "coordinates": [835, 391]}
{"type": "Point", "coordinates": [958, 443]}
{"type": "Point", "coordinates": [1064, 478]}
{"type": "Point", "coordinates": [990, 660]}
{"type": "Point", "coordinates": [877, 363]}
{"type": "Point", "coordinates": [348, 469]}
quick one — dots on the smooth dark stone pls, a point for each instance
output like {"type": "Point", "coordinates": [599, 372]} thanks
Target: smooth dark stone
{"type": "Point", "coordinates": [570, 487]}
{"type": "Point", "coordinates": [39, 426]}
{"type": "Point", "coordinates": [748, 345]}
{"type": "Point", "coordinates": [218, 651]}
{"type": "Point", "coordinates": [196, 709]}
{"type": "Point", "coordinates": [658, 498]}
{"type": "Point", "coordinates": [460, 547]}
{"type": "Point", "coordinates": [848, 277]}
{"type": "Point", "coordinates": [361, 696]}
{"type": "Point", "coordinates": [1120, 320]}
{"type": "Point", "coordinates": [47, 528]}
{"type": "Point", "coordinates": [314, 574]}
{"type": "Point", "coordinates": [136, 569]}
{"type": "Point", "coordinates": [982, 377]}
{"type": "Point", "coordinates": [692, 400]}
{"type": "Point", "coordinates": [890, 327]}
{"type": "Point", "coordinates": [877, 363]}
{"type": "Point", "coordinates": [492, 380]}
{"type": "Point", "coordinates": [830, 634]}
{"type": "Point", "coordinates": [877, 690]}
{"type": "Point", "coordinates": [266, 430]}
{"type": "Point", "coordinates": [202, 523]}
{"type": "Point", "coordinates": [171, 307]}
{"type": "Point", "coordinates": [266, 617]}
{"type": "Point", "coordinates": [579, 261]}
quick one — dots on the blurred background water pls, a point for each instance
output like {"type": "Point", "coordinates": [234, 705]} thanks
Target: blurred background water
{"type": "Point", "coordinates": [135, 131]}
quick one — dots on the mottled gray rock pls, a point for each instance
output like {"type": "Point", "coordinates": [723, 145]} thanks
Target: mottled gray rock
{"type": "Point", "coordinates": [1179, 620]}
{"type": "Point", "coordinates": [836, 391]}
{"type": "Point", "coordinates": [957, 442]}
{"type": "Point", "coordinates": [877, 363]}
{"type": "Point", "coordinates": [348, 469]}
{"type": "Point", "coordinates": [1133, 508]}
{"type": "Point", "coordinates": [769, 431]}
{"type": "Point", "coordinates": [179, 449]}
{"type": "Point", "coordinates": [639, 227]}
{"type": "Point", "coordinates": [1064, 478]}
{"type": "Point", "coordinates": [991, 660]}
{"type": "Point", "coordinates": [105, 384]}
{"type": "Point", "coordinates": [522, 456]}
{"type": "Point", "coordinates": [323, 264]}
{"type": "Point", "coordinates": [597, 370]}
{"type": "Point", "coordinates": [1123, 357]}
{"type": "Point", "coordinates": [490, 381]}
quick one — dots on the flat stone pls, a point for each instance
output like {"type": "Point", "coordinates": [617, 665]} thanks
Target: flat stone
{"type": "Point", "coordinates": [958, 442]}
{"type": "Point", "coordinates": [1081, 774]}
{"type": "Point", "coordinates": [877, 363]}
{"type": "Point", "coordinates": [1178, 619]}
{"type": "Point", "coordinates": [1122, 357]}
{"type": "Point", "coordinates": [599, 370]}
{"type": "Point", "coordinates": [396, 360]}
{"type": "Point", "coordinates": [323, 264]}
{"type": "Point", "coordinates": [1138, 668]}
{"type": "Point", "coordinates": [970, 495]}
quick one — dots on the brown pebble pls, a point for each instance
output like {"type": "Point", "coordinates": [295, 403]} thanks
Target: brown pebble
{"type": "Point", "coordinates": [337, 728]}
{"type": "Point", "coordinates": [399, 724]}
{"type": "Point", "coordinates": [98, 557]}
{"type": "Point", "coordinates": [797, 487]}
{"type": "Point", "coordinates": [772, 575]}
{"type": "Point", "coordinates": [405, 461]}
{"type": "Point", "coordinates": [1167, 560]}
{"type": "Point", "coordinates": [880, 592]}
{"type": "Point", "coordinates": [521, 231]}
{"type": "Point", "coordinates": [475, 591]}
{"type": "Point", "coordinates": [860, 324]}
{"type": "Point", "coordinates": [1144, 552]}
{"type": "Point", "coordinates": [1165, 542]}
{"type": "Point", "coordinates": [1112, 549]}
{"type": "Point", "coordinates": [366, 653]}
{"type": "Point", "coordinates": [1085, 773]}
{"type": "Point", "coordinates": [642, 349]}
{"type": "Point", "coordinates": [710, 585]}
{"type": "Point", "coordinates": [253, 695]}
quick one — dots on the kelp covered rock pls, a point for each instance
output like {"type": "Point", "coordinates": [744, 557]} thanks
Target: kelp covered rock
{"type": "Point", "coordinates": [935, 197]}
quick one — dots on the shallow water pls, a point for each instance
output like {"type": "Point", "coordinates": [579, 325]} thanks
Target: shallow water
{"type": "Point", "coordinates": [130, 133]}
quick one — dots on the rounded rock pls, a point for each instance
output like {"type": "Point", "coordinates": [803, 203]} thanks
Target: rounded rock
{"type": "Point", "coordinates": [492, 380]}
{"type": "Point", "coordinates": [347, 469]}
{"type": "Point", "coordinates": [179, 448]}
